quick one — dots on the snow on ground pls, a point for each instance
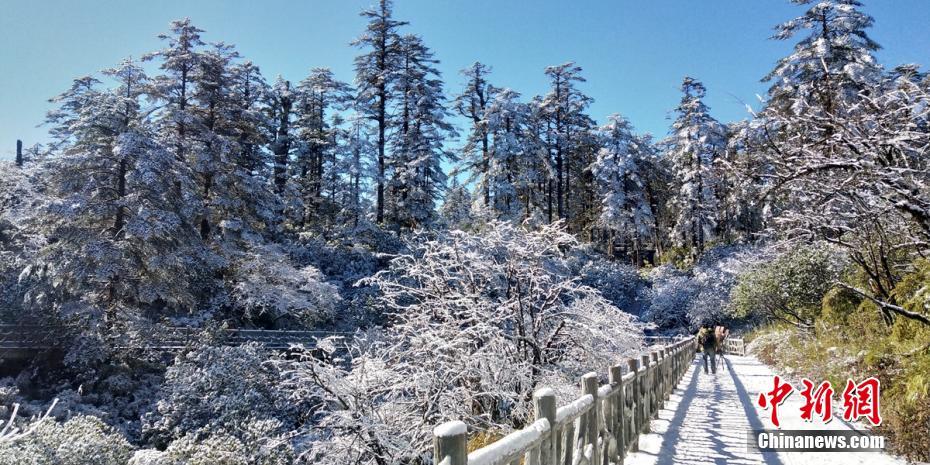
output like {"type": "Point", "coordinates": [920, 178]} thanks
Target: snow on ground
{"type": "Point", "coordinates": [707, 418]}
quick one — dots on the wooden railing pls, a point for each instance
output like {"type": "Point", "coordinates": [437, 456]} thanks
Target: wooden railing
{"type": "Point", "coordinates": [597, 428]}
{"type": "Point", "coordinates": [734, 345]}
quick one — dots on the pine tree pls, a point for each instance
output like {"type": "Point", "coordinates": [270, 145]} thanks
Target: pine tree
{"type": "Point", "coordinates": [456, 207]}
{"type": "Point", "coordinates": [317, 95]}
{"type": "Point", "coordinates": [563, 107]}
{"type": "Point", "coordinates": [619, 171]}
{"type": "Point", "coordinates": [282, 96]}
{"type": "Point", "coordinates": [354, 166]}
{"type": "Point", "coordinates": [417, 179]}
{"type": "Point", "coordinates": [473, 104]}
{"type": "Point", "coordinates": [119, 242]}
{"type": "Point", "coordinates": [179, 61]}
{"type": "Point", "coordinates": [513, 167]}
{"type": "Point", "coordinates": [696, 141]}
{"type": "Point", "coordinates": [835, 60]}
{"type": "Point", "coordinates": [251, 92]}
{"type": "Point", "coordinates": [374, 75]}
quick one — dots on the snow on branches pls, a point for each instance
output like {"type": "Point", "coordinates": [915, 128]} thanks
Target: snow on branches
{"type": "Point", "coordinates": [478, 321]}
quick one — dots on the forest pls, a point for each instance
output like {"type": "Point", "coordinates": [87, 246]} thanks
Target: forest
{"type": "Point", "coordinates": [447, 280]}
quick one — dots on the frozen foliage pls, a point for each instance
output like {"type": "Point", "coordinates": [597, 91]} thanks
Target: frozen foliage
{"type": "Point", "coordinates": [217, 389]}
{"type": "Point", "coordinates": [621, 284]}
{"type": "Point", "coordinates": [255, 442]}
{"type": "Point", "coordinates": [82, 440]}
{"type": "Point", "coordinates": [478, 320]}
{"type": "Point", "coordinates": [790, 287]}
{"type": "Point", "coordinates": [843, 157]}
{"type": "Point", "coordinates": [834, 60]}
{"type": "Point", "coordinates": [266, 286]}
{"type": "Point", "coordinates": [194, 192]}
{"type": "Point", "coordinates": [688, 299]}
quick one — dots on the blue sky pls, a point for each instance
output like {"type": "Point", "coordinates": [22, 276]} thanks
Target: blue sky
{"type": "Point", "coordinates": [634, 53]}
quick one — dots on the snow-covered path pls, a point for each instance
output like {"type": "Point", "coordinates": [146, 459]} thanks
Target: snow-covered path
{"type": "Point", "coordinates": [706, 419]}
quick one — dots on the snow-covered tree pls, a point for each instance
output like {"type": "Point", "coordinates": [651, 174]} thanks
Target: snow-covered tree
{"type": "Point", "coordinates": [179, 62]}
{"type": "Point", "coordinates": [695, 143]}
{"type": "Point", "coordinates": [417, 179]}
{"type": "Point", "coordinates": [619, 171]}
{"type": "Point", "coordinates": [118, 240]}
{"type": "Point", "coordinates": [374, 75]}
{"type": "Point", "coordinates": [318, 97]}
{"type": "Point", "coordinates": [834, 61]}
{"type": "Point", "coordinates": [250, 92]}
{"type": "Point", "coordinates": [479, 322]}
{"type": "Point", "coordinates": [473, 104]}
{"type": "Point", "coordinates": [563, 109]}
{"type": "Point", "coordinates": [514, 168]}
{"type": "Point", "coordinates": [456, 210]}
{"type": "Point", "coordinates": [354, 167]}
{"type": "Point", "coordinates": [846, 162]}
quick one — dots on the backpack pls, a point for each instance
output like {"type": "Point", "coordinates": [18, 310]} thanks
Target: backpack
{"type": "Point", "coordinates": [707, 339]}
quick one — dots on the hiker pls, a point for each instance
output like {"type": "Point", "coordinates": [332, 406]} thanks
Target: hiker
{"type": "Point", "coordinates": [708, 345]}
{"type": "Point", "coordinates": [720, 335]}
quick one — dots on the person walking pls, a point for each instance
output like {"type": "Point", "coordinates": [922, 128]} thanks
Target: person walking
{"type": "Point", "coordinates": [707, 342]}
{"type": "Point", "coordinates": [720, 334]}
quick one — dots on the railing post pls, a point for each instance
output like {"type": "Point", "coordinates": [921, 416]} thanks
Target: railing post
{"type": "Point", "coordinates": [663, 364]}
{"type": "Point", "coordinates": [644, 395]}
{"type": "Point", "coordinates": [616, 427]}
{"type": "Point", "coordinates": [654, 405]}
{"type": "Point", "coordinates": [449, 442]}
{"type": "Point", "coordinates": [544, 406]}
{"type": "Point", "coordinates": [589, 385]}
{"type": "Point", "coordinates": [633, 389]}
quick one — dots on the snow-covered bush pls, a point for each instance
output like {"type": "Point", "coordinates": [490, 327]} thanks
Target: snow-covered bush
{"type": "Point", "coordinates": [82, 440]}
{"type": "Point", "coordinates": [702, 294]}
{"type": "Point", "coordinates": [790, 288]}
{"type": "Point", "coordinates": [619, 283]}
{"type": "Point", "coordinates": [477, 322]}
{"type": "Point", "coordinates": [672, 293]}
{"type": "Point", "coordinates": [255, 443]}
{"type": "Point", "coordinates": [268, 287]}
{"type": "Point", "coordinates": [217, 389]}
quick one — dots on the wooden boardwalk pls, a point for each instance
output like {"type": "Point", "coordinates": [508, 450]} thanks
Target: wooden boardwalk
{"type": "Point", "coordinates": [24, 341]}
{"type": "Point", "coordinates": [660, 410]}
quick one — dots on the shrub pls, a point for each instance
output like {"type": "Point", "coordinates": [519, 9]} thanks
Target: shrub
{"type": "Point", "coordinates": [789, 288]}
{"type": "Point", "coordinates": [217, 389]}
{"type": "Point", "coordinates": [621, 284]}
{"type": "Point", "coordinates": [257, 443]}
{"type": "Point", "coordinates": [82, 440]}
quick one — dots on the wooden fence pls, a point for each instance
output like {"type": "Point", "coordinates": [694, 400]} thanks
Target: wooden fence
{"type": "Point", "coordinates": [734, 345]}
{"type": "Point", "coordinates": [595, 429]}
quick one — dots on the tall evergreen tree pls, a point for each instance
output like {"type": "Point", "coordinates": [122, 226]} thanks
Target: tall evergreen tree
{"type": "Point", "coordinates": [473, 104]}
{"type": "Point", "coordinates": [696, 141]}
{"type": "Point", "coordinates": [374, 75]}
{"type": "Point", "coordinates": [319, 95]}
{"type": "Point", "coordinates": [834, 60]}
{"type": "Point", "coordinates": [417, 179]}
{"type": "Point", "coordinates": [120, 244]}
{"type": "Point", "coordinates": [619, 171]}
{"type": "Point", "coordinates": [563, 107]}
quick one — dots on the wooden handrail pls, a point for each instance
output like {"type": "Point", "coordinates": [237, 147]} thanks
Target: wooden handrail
{"type": "Point", "coordinates": [598, 427]}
